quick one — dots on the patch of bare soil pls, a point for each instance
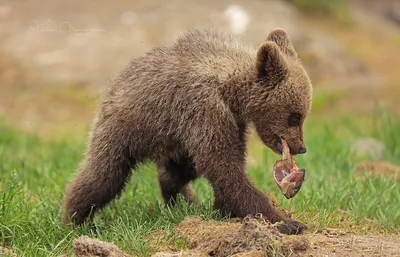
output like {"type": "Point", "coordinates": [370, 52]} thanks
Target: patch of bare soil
{"type": "Point", "coordinates": [378, 168]}
{"type": "Point", "coordinates": [334, 242]}
{"type": "Point", "coordinates": [252, 237]}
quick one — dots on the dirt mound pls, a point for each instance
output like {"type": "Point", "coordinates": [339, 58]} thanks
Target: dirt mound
{"type": "Point", "coordinates": [368, 168]}
{"type": "Point", "coordinates": [85, 247]}
{"type": "Point", "coordinates": [251, 237]}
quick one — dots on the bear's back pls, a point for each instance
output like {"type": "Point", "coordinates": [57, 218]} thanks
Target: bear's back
{"type": "Point", "coordinates": [212, 53]}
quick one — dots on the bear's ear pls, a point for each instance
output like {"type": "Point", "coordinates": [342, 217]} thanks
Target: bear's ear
{"type": "Point", "coordinates": [282, 40]}
{"type": "Point", "coordinates": [271, 65]}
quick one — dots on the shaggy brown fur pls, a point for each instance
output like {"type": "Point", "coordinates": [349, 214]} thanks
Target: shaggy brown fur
{"type": "Point", "coordinates": [187, 107]}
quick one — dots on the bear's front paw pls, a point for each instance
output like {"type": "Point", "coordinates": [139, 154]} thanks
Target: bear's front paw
{"type": "Point", "coordinates": [292, 227]}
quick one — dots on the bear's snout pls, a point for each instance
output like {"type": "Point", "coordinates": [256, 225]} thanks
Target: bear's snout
{"type": "Point", "coordinates": [302, 150]}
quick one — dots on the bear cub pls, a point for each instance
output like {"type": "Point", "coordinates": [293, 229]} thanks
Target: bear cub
{"type": "Point", "coordinates": [187, 107]}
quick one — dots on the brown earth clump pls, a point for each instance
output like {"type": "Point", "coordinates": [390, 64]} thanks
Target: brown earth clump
{"type": "Point", "coordinates": [252, 237]}
{"type": "Point", "coordinates": [89, 247]}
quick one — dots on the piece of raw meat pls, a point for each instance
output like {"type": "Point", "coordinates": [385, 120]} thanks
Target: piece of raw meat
{"type": "Point", "coordinates": [288, 176]}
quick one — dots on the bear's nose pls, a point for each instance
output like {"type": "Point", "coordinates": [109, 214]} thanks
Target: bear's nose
{"type": "Point", "coordinates": [302, 150]}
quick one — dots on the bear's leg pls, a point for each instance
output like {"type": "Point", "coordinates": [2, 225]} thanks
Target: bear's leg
{"type": "Point", "coordinates": [174, 176]}
{"type": "Point", "coordinates": [234, 193]}
{"type": "Point", "coordinates": [103, 174]}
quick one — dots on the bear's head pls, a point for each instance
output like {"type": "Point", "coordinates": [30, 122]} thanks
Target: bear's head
{"type": "Point", "coordinates": [280, 99]}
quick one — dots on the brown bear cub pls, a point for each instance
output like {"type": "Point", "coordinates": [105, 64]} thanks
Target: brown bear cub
{"type": "Point", "coordinates": [187, 107]}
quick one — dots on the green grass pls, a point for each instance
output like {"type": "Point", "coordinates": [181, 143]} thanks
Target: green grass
{"type": "Point", "coordinates": [331, 7]}
{"type": "Point", "coordinates": [34, 173]}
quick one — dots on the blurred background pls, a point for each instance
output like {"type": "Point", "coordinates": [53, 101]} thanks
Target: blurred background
{"type": "Point", "coordinates": [57, 56]}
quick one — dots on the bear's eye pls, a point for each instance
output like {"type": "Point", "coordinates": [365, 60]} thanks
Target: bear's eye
{"type": "Point", "coordinates": [294, 120]}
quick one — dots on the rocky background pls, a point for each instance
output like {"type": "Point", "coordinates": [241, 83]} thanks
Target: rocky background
{"type": "Point", "coordinates": [55, 51]}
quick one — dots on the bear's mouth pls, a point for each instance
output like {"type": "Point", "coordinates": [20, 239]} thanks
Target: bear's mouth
{"type": "Point", "coordinates": [278, 146]}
